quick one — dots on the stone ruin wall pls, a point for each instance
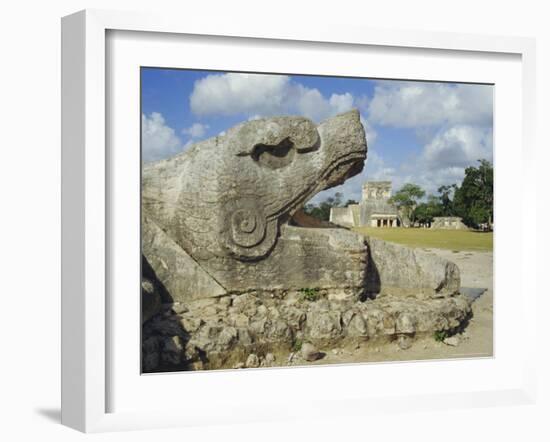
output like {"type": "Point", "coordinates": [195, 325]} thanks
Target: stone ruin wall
{"type": "Point", "coordinates": [346, 216]}
{"type": "Point", "coordinates": [449, 223]}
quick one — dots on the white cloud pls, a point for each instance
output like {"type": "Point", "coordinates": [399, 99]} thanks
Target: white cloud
{"type": "Point", "coordinates": [459, 146]}
{"type": "Point", "coordinates": [341, 103]}
{"type": "Point", "coordinates": [429, 180]}
{"type": "Point", "coordinates": [309, 102]}
{"type": "Point", "coordinates": [444, 157]}
{"type": "Point", "coordinates": [256, 95]}
{"type": "Point", "coordinates": [362, 102]}
{"type": "Point", "coordinates": [158, 139]}
{"type": "Point", "coordinates": [233, 93]}
{"type": "Point", "coordinates": [196, 130]}
{"type": "Point", "coordinates": [376, 169]}
{"type": "Point", "coordinates": [454, 123]}
{"type": "Point", "coordinates": [370, 132]}
{"type": "Point", "coordinates": [414, 104]}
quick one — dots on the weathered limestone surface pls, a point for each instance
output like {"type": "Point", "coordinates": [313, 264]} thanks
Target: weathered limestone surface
{"type": "Point", "coordinates": [449, 223]}
{"type": "Point", "coordinates": [342, 216]}
{"type": "Point", "coordinates": [223, 332]}
{"type": "Point", "coordinates": [181, 276]}
{"type": "Point", "coordinates": [401, 270]}
{"type": "Point", "coordinates": [227, 201]}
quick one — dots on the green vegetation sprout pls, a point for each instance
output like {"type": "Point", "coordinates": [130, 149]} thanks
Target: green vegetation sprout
{"type": "Point", "coordinates": [310, 294]}
{"type": "Point", "coordinates": [440, 335]}
{"type": "Point", "coordinates": [297, 346]}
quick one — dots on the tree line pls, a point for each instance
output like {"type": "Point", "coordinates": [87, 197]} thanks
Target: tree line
{"type": "Point", "coordinates": [472, 200]}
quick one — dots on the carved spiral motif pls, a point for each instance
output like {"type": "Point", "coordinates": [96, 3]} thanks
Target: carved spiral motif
{"type": "Point", "coordinates": [247, 233]}
{"type": "Point", "coordinates": [247, 227]}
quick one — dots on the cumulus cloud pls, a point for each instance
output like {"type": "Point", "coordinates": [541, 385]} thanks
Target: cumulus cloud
{"type": "Point", "coordinates": [341, 103]}
{"type": "Point", "coordinates": [362, 102]}
{"type": "Point", "coordinates": [459, 146]}
{"type": "Point", "coordinates": [196, 130]}
{"type": "Point", "coordinates": [376, 168]}
{"type": "Point", "coordinates": [444, 157]}
{"type": "Point", "coordinates": [452, 121]}
{"type": "Point", "coordinates": [415, 104]}
{"type": "Point", "coordinates": [157, 139]}
{"type": "Point", "coordinates": [429, 180]}
{"type": "Point", "coordinates": [370, 132]}
{"type": "Point", "coordinates": [235, 93]}
{"type": "Point", "coordinates": [256, 95]}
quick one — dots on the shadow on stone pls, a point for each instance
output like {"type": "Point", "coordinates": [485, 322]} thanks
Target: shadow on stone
{"type": "Point", "coordinates": [372, 282]}
{"type": "Point", "coordinates": [473, 293]}
{"type": "Point", "coordinates": [148, 273]}
{"type": "Point", "coordinates": [164, 338]}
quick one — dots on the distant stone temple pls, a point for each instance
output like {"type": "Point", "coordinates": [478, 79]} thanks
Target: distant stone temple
{"type": "Point", "coordinates": [448, 222]}
{"type": "Point", "coordinates": [374, 210]}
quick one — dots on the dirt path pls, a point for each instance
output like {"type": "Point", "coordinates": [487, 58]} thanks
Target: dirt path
{"type": "Point", "coordinates": [476, 340]}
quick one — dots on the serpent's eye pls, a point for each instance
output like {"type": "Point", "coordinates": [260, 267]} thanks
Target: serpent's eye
{"type": "Point", "coordinates": [274, 156]}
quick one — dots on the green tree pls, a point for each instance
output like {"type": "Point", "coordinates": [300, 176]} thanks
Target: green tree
{"type": "Point", "coordinates": [446, 200]}
{"type": "Point", "coordinates": [336, 200]}
{"type": "Point", "coordinates": [473, 200]}
{"type": "Point", "coordinates": [425, 212]}
{"type": "Point", "coordinates": [322, 210]}
{"type": "Point", "coordinates": [406, 199]}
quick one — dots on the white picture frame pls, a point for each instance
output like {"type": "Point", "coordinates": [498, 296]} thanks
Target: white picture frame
{"type": "Point", "coordinates": [86, 206]}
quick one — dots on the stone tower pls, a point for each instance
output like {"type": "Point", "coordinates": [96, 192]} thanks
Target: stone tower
{"type": "Point", "coordinates": [375, 209]}
{"type": "Point", "coordinates": [376, 190]}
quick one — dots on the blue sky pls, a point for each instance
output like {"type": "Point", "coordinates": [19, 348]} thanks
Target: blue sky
{"type": "Point", "coordinates": [421, 132]}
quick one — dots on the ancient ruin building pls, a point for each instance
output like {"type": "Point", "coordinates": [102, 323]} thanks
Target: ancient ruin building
{"type": "Point", "coordinates": [374, 210]}
{"type": "Point", "coordinates": [348, 216]}
{"type": "Point", "coordinates": [448, 222]}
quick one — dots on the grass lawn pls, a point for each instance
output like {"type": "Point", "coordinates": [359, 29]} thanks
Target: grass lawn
{"type": "Point", "coordinates": [428, 238]}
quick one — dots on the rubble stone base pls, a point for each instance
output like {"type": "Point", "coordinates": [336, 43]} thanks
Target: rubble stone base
{"type": "Point", "coordinates": [224, 332]}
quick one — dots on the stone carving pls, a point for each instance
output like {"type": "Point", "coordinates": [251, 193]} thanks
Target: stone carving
{"type": "Point", "coordinates": [235, 267]}
{"type": "Point", "coordinates": [228, 204]}
{"type": "Point", "coordinates": [395, 269]}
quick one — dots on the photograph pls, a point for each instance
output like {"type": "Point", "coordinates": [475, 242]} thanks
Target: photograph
{"type": "Point", "coordinates": [292, 220]}
{"type": "Point", "coordinates": [244, 221]}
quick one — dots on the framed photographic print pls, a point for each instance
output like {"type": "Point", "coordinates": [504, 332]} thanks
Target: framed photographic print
{"type": "Point", "coordinates": [250, 212]}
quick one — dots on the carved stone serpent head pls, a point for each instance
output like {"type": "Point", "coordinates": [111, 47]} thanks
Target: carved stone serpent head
{"type": "Point", "coordinates": [228, 196]}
